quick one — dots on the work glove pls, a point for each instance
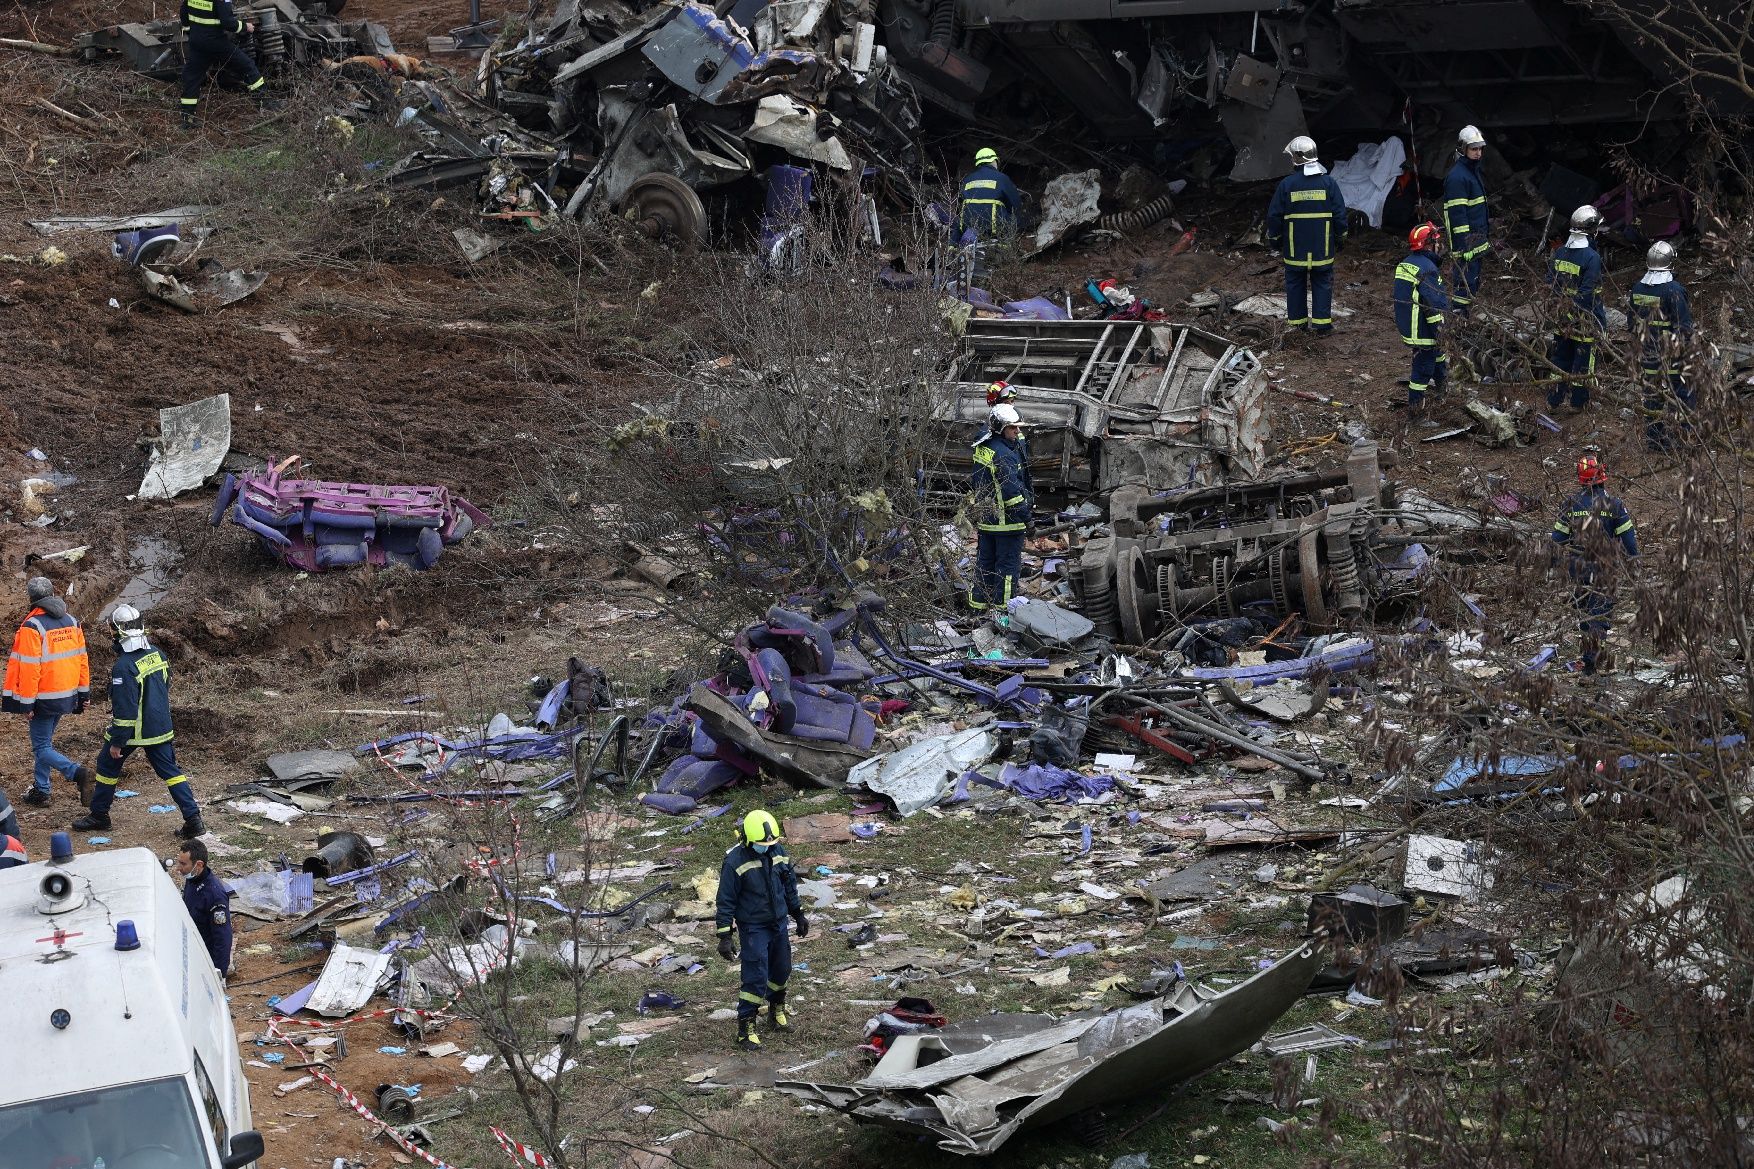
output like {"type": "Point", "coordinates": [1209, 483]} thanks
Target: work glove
{"type": "Point", "coordinates": [727, 947]}
{"type": "Point", "coordinates": [802, 922]}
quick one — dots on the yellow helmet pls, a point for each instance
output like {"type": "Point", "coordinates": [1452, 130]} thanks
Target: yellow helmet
{"type": "Point", "coordinates": [986, 156]}
{"type": "Point", "coordinates": [759, 827]}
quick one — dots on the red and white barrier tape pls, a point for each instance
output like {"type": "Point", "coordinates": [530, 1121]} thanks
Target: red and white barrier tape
{"type": "Point", "coordinates": [517, 1150]}
{"type": "Point", "coordinates": [402, 1142]}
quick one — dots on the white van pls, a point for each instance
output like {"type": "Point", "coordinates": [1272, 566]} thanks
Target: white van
{"type": "Point", "coordinates": [120, 1048]}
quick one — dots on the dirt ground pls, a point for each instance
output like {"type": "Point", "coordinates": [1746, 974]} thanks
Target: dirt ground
{"type": "Point", "coordinates": [387, 373]}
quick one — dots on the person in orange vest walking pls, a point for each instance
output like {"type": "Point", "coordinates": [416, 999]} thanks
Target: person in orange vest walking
{"type": "Point", "coordinates": [48, 676]}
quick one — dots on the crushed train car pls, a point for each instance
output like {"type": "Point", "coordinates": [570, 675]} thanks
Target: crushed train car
{"type": "Point", "coordinates": [1329, 545]}
{"type": "Point", "coordinates": [1108, 404]}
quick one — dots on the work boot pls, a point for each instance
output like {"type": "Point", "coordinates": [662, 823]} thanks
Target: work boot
{"type": "Point", "coordinates": [36, 797]}
{"type": "Point", "coordinates": [747, 1038]}
{"type": "Point", "coordinates": [83, 776]}
{"type": "Point", "coordinates": [92, 822]}
{"type": "Point", "coordinates": [189, 121]}
{"type": "Point", "coordinates": [777, 1019]}
{"type": "Point", "coordinates": [192, 828]}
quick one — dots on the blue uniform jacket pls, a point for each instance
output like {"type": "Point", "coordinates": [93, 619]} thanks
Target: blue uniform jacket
{"type": "Point", "coordinates": [756, 887]}
{"type": "Point", "coordinates": [140, 699]}
{"type": "Point", "coordinates": [989, 201]}
{"type": "Point", "coordinates": [1306, 220]}
{"type": "Point", "coordinates": [1661, 311]}
{"type": "Point", "coordinates": [1420, 301]}
{"type": "Point", "coordinates": [210, 15]}
{"type": "Point", "coordinates": [1464, 209]}
{"type": "Point", "coordinates": [209, 904]}
{"type": "Point", "coordinates": [1577, 273]}
{"type": "Point", "coordinates": [1589, 510]}
{"type": "Point", "coordinates": [1003, 495]}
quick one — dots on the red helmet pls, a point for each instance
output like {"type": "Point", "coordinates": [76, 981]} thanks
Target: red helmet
{"type": "Point", "coordinates": [1421, 238]}
{"type": "Point", "coordinates": [1000, 391]}
{"type": "Point", "coordinates": [1105, 285]}
{"type": "Point", "coordinates": [1589, 472]}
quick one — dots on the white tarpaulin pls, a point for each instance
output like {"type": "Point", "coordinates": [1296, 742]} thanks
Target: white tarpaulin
{"type": "Point", "coordinates": [1368, 176]}
{"type": "Point", "coordinates": [193, 440]}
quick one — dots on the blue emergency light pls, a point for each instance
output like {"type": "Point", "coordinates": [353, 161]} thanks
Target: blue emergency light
{"type": "Point", "coordinates": [127, 938]}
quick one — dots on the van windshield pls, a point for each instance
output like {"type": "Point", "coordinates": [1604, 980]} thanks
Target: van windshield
{"type": "Point", "coordinates": [134, 1126]}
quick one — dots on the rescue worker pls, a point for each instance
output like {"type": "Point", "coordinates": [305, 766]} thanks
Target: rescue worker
{"type": "Point", "coordinates": [12, 852]}
{"type": "Point", "coordinates": [1576, 279]}
{"type": "Point", "coordinates": [1464, 218]}
{"type": "Point", "coordinates": [208, 902]}
{"type": "Point", "coordinates": [47, 677]}
{"type": "Point", "coordinates": [1662, 319]}
{"type": "Point", "coordinates": [757, 892]}
{"type": "Point", "coordinates": [1306, 221]}
{"type": "Point", "coordinates": [208, 29]}
{"type": "Point", "coordinates": [999, 392]}
{"type": "Point", "coordinates": [1419, 307]}
{"type": "Point", "coordinates": [1590, 520]}
{"type": "Point", "coordinates": [990, 200]}
{"type": "Point", "coordinates": [8, 818]}
{"type": "Point", "coordinates": [1003, 499]}
{"type": "Point", "coordinates": [140, 716]}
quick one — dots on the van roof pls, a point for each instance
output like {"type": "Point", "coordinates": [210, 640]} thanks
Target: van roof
{"type": "Point", "coordinates": [131, 1010]}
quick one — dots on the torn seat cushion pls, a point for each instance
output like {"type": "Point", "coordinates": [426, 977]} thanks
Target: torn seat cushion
{"type": "Point", "coordinates": [808, 646]}
{"type": "Point", "coordinates": [828, 715]}
{"type": "Point", "coordinates": [773, 675]}
{"type": "Point", "coordinates": [850, 668]}
{"type": "Point", "coordinates": [697, 778]}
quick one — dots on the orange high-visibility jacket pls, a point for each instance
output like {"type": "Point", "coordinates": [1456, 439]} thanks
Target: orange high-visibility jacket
{"type": "Point", "coordinates": [47, 669]}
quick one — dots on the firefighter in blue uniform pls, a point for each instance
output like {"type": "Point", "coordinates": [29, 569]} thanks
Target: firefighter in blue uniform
{"type": "Point", "coordinates": [757, 892]}
{"type": "Point", "coordinates": [990, 201]}
{"type": "Point", "coordinates": [1419, 307]}
{"type": "Point", "coordinates": [1663, 321]}
{"type": "Point", "coordinates": [208, 29]}
{"type": "Point", "coordinates": [1464, 218]}
{"type": "Point", "coordinates": [1306, 221]}
{"type": "Point", "coordinates": [1591, 519]}
{"type": "Point", "coordinates": [208, 902]}
{"type": "Point", "coordinates": [140, 716]}
{"type": "Point", "coordinates": [1003, 503]}
{"type": "Point", "coordinates": [1576, 279]}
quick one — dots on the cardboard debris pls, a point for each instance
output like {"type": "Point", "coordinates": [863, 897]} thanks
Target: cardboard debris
{"type": "Point", "coordinates": [819, 828]}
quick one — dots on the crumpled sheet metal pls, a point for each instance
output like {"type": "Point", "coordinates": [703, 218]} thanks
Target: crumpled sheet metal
{"type": "Point", "coordinates": [192, 442]}
{"type": "Point", "coordinates": [974, 1102]}
{"type": "Point", "coordinates": [1070, 201]}
{"type": "Point", "coordinates": [920, 774]}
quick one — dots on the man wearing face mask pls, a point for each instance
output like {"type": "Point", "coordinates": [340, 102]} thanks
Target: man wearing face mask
{"type": "Point", "coordinates": [140, 716]}
{"type": "Point", "coordinates": [757, 892]}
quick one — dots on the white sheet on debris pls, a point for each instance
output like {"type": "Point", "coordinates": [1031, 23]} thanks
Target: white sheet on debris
{"type": "Point", "coordinates": [350, 977]}
{"type": "Point", "coordinates": [1368, 176]}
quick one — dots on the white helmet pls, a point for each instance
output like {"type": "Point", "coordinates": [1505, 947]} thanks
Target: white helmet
{"type": "Point", "coordinates": [1302, 149]}
{"type": "Point", "coordinates": [130, 627]}
{"type": "Point", "coordinates": [1586, 219]}
{"type": "Point", "coordinates": [1003, 415]}
{"type": "Point", "coordinates": [1470, 136]}
{"type": "Point", "coordinates": [1661, 256]}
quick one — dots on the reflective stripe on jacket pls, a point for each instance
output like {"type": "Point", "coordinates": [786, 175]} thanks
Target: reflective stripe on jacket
{"type": "Point", "coordinates": [1661, 311]}
{"type": "Point", "coordinates": [1307, 219]}
{"type": "Point", "coordinates": [756, 887]}
{"type": "Point", "coordinates": [1000, 485]}
{"type": "Point", "coordinates": [47, 669]}
{"type": "Point", "coordinates": [1576, 274]}
{"type": "Point", "coordinates": [1419, 299]}
{"type": "Point", "coordinates": [1464, 209]}
{"type": "Point", "coordinates": [1593, 509]}
{"type": "Point", "coordinates": [140, 699]}
{"type": "Point", "coordinates": [211, 14]}
{"type": "Point", "coordinates": [989, 201]}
